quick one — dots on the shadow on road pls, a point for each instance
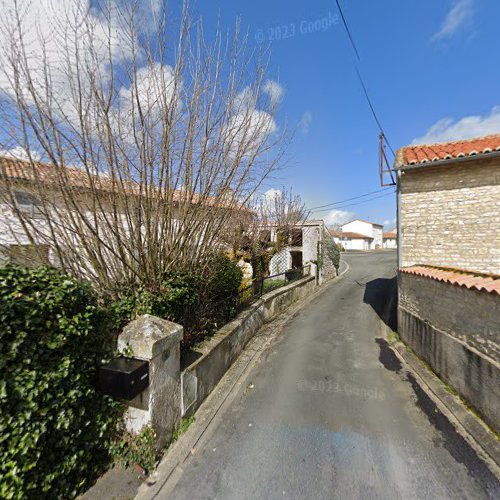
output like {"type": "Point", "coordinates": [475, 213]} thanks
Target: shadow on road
{"type": "Point", "coordinates": [381, 294]}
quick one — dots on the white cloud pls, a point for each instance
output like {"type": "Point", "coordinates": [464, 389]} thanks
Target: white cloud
{"type": "Point", "coordinates": [274, 90]}
{"type": "Point", "coordinates": [155, 88]}
{"type": "Point", "coordinates": [305, 122]}
{"type": "Point", "coordinates": [249, 127]}
{"type": "Point", "coordinates": [337, 217]}
{"type": "Point", "coordinates": [53, 32]}
{"type": "Point", "coordinates": [19, 153]}
{"type": "Point", "coordinates": [458, 16]}
{"type": "Point", "coordinates": [447, 129]}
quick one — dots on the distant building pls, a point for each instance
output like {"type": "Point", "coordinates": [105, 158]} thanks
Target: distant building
{"type": "Point", "coordinates": [362, 235]}
{"type": "Point", "coordinates": [308, 243]}
{"type": "Point", "coordinates": [390, 239]}
{"type": "Point", "coordinates": [355, 241]}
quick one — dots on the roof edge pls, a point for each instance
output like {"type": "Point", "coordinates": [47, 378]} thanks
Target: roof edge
{"type": "Point", "coordinates": [448, 161]}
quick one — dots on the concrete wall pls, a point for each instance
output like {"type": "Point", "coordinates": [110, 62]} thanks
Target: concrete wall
{"type": "Point", "coordinates": [220, 351]}
{"type": "Point", "coordinates": [356, 244]}
{"type": "Point", "coordinates": [457, 332]}
{"type": "Point", "coordinates": [450, 216]}
{"type": "Point", "coordinates": [310, 238]}
{"type": "Point", "coordinates": [360, 227]}
{"type": "Point", "coordinates": [368, 229]}
{"type": "Point", "coordinates": [378, 232]}
{"type": "Point", "coordinates": [390, 243]}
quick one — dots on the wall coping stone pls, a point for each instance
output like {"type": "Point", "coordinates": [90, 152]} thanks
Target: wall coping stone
{"type": "Point", "coordinates": [148, 336]}
{"type": "Point", "coordinates": [209, 344]}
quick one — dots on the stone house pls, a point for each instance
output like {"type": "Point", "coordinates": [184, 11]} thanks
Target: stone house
{"type": "Point", "coordinates": [362, 235]}
{"type": "Point", "coordinates": [308, 244]}
{"type": "Point", "coordinates": [449, 264]}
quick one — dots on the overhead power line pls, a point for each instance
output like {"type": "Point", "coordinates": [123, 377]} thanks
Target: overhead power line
{"type": "Point", "coordinates": [360, 78]}
{"type": "Point", "coordinates": [344, 22]}
{"type": "Point", "coordinates": [365, 90]}
{"type": "Point", "coordinates": [355, 204]}
{"type": "Point", "coordinates": [349, 199]}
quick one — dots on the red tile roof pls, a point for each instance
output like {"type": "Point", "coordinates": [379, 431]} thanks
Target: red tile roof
{"type": "Point", "coordinates": [22, 170]}
{"type": "Point", "coordinates": [415, 155]}
{"type": "Point", "coordinates": [335, 233]}
{"type": "Point", "coordinates": [355, 236]}
{"type": "Point", "coordinates": [390, 236]}
{"type": "Point", "coordinates": [477, 281]}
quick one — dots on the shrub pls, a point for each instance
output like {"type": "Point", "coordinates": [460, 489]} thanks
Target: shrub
{"type": "Point", "coordinates": [55, 427]}
{"type": "Point", "coordinates": [222, 289]}
{"type": "Point", "coordinates": [200, 301]}
{"type": "Point", "coordinates": [137, 449]}
{"type": "Point", "coordinates": [333, 253]}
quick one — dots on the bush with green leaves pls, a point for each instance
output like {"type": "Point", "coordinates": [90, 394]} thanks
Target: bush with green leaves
{"type": "Point", "coordinates": [137, 449]}
{"type": "Point", "coordinates": [333, 253]}
{"type": "Point", "coordinates": [200, 301]}
{"type": "Point", "coordinates": [55, 427]}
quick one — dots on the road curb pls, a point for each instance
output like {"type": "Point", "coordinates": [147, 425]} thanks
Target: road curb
{"type": "Point", "coordinates": [469, 426]}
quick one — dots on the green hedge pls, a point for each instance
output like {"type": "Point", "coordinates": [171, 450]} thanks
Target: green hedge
{"type": "Point", "coordinates": [55, 427]}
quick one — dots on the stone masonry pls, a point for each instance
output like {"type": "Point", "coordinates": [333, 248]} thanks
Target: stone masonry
{"type": "Point", "coordinates": [457, 332]}
{"type": "Point", "coordinates": [450, 216]}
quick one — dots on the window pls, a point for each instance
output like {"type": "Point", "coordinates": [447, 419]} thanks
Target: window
{"type": "Point", "coordinates": [28, 204]}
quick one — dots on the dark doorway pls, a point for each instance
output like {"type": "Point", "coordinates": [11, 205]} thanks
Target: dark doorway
{"type": "Point", "coordinates": [296, 259]}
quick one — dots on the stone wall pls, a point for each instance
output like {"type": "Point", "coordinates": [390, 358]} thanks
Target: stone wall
{"type": "Point", "coordinates": [220, 351]}
{"type": "Point", "coordinates": [450, 216]}
{"type": "Point", "coordinates": [457, 332]}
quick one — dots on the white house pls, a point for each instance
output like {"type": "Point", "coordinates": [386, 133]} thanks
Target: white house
{"type": "Point", "coordinates": [362, 235]}
{"type": "Point", "coordinates": [355, 241]}
{"type": "Point", "coordinates": [390, 239]}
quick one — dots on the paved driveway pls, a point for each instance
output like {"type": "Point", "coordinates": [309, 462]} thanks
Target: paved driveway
{"type": "Point", "coordinates": [330, 413]}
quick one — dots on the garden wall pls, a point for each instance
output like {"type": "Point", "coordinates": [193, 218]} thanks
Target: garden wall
{"type": "Point", "coordinates": [219, 352]}
{"type": "Point", "coordinates": [456, 331]}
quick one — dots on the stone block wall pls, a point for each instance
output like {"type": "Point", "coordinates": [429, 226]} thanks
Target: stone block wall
{"type": "Point", "coordinates": [457, 332]}
{"type": "Point", "coordinates": [450, 216]}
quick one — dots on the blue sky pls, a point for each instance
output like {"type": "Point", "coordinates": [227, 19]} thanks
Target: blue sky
{"type": "Point", "coordinates": [430, 67]}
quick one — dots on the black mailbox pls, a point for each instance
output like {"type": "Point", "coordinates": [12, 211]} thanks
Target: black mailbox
{"type": "Point", "coordinates": [124, 378]}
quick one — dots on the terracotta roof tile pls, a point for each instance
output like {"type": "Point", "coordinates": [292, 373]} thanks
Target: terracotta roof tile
{"type": "Point", "coordinates": [355, 236]}
{"type": "Point", "coordinates": [390, 236]}
{"type": "Point", "coordinates": [470, 280]}
{"type": "Point", "coordinates": [22, 170]}
{"type": "Point", "coordinates": [425, 153]}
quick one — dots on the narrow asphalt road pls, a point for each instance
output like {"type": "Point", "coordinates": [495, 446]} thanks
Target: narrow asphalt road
{"type": "Point", "coordinates": [329, 412]}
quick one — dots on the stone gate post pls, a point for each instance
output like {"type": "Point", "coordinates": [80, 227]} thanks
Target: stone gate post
{"type": "Point", "coordinates": [157, 341]}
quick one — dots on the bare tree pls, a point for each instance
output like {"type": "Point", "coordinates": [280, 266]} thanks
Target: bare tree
{"type": "Point", "coordinates": [143, 140]}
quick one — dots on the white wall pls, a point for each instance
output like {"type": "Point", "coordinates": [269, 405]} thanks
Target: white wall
{"type": "Point", "coordinates": [378, 232]}
{"type": "Point", "coordinates": [368, 229]}
{"type": "Point", "coordinates": [358, 226]}
{"type": "Point", "coordinates": [356, 244]}
{"type": "Point", "coordinates": [390, 243]}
